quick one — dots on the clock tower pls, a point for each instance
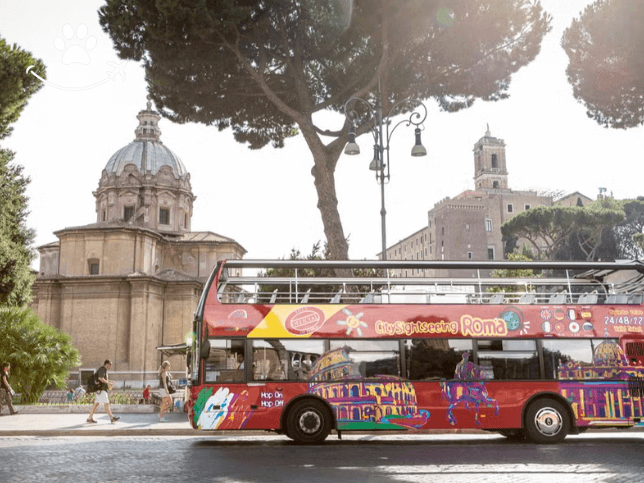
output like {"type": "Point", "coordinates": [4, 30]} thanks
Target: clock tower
{"type": "Point", "coordinates": [490, 171]}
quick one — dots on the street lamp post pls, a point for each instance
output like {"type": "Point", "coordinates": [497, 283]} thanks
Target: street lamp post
{"type": "Point", "coordinates": [359, 112]}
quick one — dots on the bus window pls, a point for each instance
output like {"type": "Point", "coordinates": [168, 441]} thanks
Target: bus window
{"type": "Point", "coordinates": [285, 359]}
{"type": "Point", "coordinates": [436, 359]}
{"type": "Point", "coordinates": [502, 359]}
{"type": "Point", "coordinates": [573, 358]}
{"type": "Point", "coordinates": [225, 362]}
{"type": "Point", "coordinates": [371, 357]}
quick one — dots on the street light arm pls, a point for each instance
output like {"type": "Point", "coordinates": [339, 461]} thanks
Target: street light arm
{"type": "Point", "coordinates": [353, 115]}
{"type": "Point", "coordinates": [415, 118]}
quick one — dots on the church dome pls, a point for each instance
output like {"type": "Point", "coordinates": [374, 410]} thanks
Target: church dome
{"type": "Point", "coordinates": [145, 184]}
{"type": "Point", "coordinates": [146, 152]}
{"type": "Point", "coordinates": [146, 156]}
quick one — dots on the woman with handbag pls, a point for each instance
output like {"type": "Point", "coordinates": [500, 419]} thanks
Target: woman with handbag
{"type": "Point", "coordinates": [164, 390]}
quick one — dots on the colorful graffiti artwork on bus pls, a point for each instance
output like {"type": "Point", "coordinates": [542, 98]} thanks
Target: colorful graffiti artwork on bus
{"type": "Point", "coordinates": [384, 402]}
{"type": "Point", "coordinates": [221, 410]}
{"type": "Point", "coordinates": [608, 391]}
{"type": "Point", "coordinates": [472, 395]}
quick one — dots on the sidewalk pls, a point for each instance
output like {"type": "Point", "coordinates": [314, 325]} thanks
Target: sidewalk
{"type": "Point", "coordinates": [29, 423]}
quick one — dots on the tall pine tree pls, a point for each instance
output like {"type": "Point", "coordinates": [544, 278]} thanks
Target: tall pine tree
{"type": "Point", "coordinates": [266, 69]}
{"type": "Point", "coordinates": [16, 253]}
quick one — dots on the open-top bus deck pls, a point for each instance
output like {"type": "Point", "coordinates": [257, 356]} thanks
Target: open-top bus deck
{"type": "Point", "coordinates": [306, 347]}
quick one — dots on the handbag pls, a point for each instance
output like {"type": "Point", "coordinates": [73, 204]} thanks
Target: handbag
{"type": "Point", "coordinates": [169, 383]}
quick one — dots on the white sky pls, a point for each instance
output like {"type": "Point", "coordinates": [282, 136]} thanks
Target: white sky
{"type": "Point", "coordinates": [266, 199]}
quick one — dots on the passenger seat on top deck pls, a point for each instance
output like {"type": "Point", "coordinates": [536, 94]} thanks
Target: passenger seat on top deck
{"type": "Point", "coordinates": [527, 298]}
{"type": "Point", "coordinates": [588, 298]}
{"type": "Point", "coordinates": [617, 298]}
{"type": "Point", "coordinates": [557, 298]}
{"type": "Point", "coordinates": [497, 298]}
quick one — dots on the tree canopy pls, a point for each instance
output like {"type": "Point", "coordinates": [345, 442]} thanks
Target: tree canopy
{"type": "Point", "coordinates": [16, 239]}
{"type": "Point", "coordinates": [627, 231]}
{"type": "Point", "coordinates": [40, 355]}
{"type": "Point", "coordinates": [606, 68]}
{"type": "Point", "coordinates": [264, 69]}
{"type": "Point", "coordinates": [593, 232]}
{"type": "Point", "coordinates": [16, 86]}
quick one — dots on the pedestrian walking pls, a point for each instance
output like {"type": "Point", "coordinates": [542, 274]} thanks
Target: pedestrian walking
{"type": "Point", "coordinates": [6, 391]}
{"type": "Point", "coordinates": [70, 395]}
{"type": "Point", "coordinates": [102, 396]}
{"type": "Point", "coordinates": [164, 394]}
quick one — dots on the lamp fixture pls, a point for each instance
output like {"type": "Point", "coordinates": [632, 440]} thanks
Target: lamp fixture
{"type": "Point", "coordinates": [418, 149]}
{"type": "Point", "coordinates": [352, 147]}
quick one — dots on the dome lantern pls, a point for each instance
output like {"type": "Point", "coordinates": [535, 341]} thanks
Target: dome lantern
{"type": "Point", "coordinates": [148, 128]}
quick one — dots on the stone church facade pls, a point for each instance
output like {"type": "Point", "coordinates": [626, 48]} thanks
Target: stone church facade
{"type": "Point", "coordinates": [130, 282]}
{"type": "Point", "coordinates": [468, 226]}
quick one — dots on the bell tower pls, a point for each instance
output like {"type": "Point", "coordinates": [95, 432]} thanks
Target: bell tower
{"type": "Point", "coordinates": [490, 171]}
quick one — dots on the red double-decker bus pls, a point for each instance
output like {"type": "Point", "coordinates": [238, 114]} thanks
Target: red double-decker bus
{"type": "Point", "coordinates": [384, 346]}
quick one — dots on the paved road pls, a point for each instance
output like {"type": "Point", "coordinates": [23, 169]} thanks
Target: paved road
{"type": "Point", "coordinates": [610, 457]}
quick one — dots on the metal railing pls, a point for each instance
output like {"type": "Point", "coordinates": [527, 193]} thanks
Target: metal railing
{"type": "Point", "coordinates": [577, 282]}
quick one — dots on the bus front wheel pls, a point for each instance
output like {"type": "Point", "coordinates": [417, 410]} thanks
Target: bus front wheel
{"type": "Point", "coordinates": [546, 421]}
{"type": "Point", "coordinates": [308, 422]}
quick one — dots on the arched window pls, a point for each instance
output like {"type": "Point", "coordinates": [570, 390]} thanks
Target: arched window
{"type": "Point", "coordinates": [495, 184]}
{"type": "Point", "coordinates": [495, 161]}
{"type": "Point", "coordinates": [93, 266]}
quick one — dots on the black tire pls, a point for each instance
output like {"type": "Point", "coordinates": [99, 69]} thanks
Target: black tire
{"type": "Point", "coordinates": [513, 434]}
{"type": "Point", "coordinates": [546, 421]}
{"type": "Point", "coordinates": [308, 422]}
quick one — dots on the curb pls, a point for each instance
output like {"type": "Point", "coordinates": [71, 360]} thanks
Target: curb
{"type": "Point", "coordinates": [85, 408]}
{"type": "Point", "coordinates": [54, 433]}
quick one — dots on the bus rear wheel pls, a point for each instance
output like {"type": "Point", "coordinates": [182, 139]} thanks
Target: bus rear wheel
{"type": "Point", "coordinates": [308, 422]}
{"type": "Point", "coordinates": [546, 421]}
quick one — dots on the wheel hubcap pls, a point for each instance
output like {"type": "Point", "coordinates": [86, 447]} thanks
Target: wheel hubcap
{"type": "Point", "coordinates": [310, 422]}
{"type": "Point", "coordinates": [548, 421]}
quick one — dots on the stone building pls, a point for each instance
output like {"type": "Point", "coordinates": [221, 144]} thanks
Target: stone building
{"type": "Point", "coordinates": [130, 282]}
{"type": "Point", "coordinates": [468, 226]}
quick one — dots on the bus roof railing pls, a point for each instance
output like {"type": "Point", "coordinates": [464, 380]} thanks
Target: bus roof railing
{"type": "Point", "coordinates": [437, 265]}
{"type": "Point", "coordinates": [378, 281]}
{"type": "Point", "coordinates": [579, 280]}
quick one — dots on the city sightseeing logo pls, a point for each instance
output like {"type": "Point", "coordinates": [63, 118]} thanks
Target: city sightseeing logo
{"type": "Point", "coordinates": [467, 326]}
{"type": "Point", "coordinates": [76, 48]}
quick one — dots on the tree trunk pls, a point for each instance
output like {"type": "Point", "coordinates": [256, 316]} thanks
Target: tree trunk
{"type": "Point", "coordinates": [325, 159]}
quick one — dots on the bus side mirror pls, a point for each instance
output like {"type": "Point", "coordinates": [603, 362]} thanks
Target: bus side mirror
{"type": "Point", "coordinates": [205, 349]}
